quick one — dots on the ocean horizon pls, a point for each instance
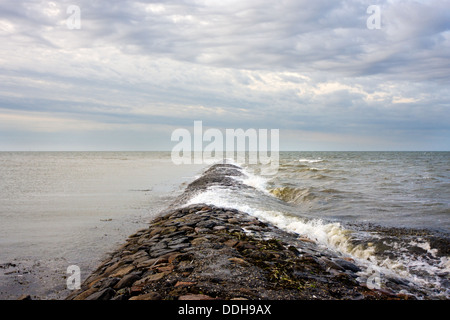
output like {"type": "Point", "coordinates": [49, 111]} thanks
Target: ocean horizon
{"type": "Point", "coordinates": [388, 211]}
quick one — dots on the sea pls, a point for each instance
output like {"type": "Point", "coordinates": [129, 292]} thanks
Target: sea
{"type": "Point", "coordinates": [388, 212]}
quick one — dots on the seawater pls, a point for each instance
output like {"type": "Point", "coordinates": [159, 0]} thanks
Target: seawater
{"type": "Point", "coordinates": [388, 211]}
{"type": "Point", "coordinates": [405, 189]}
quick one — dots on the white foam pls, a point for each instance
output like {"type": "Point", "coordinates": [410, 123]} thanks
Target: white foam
{"type": "Point", "coordinates": [330, 235]}
{"type": "Point", "coordinates": [250, 179]}
{"type": "Point", "coordinates": [333, 236]}
{"type": "Point", "coordinates": [310, 160]}
{"type": "Point", "coordinates": [425, 245]}
{"type": "Point", "coordinates": [255, 181]}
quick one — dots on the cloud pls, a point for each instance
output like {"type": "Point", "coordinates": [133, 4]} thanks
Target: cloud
{"type": "Point", "coordinates": [301, 66]}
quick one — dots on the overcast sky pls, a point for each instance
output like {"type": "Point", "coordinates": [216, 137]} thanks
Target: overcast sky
{"type": "Point", "coordinates": [137, 70]}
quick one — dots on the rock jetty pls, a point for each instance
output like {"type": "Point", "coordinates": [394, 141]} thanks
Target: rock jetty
{"type": "Point", "coordinates": [203, 252]}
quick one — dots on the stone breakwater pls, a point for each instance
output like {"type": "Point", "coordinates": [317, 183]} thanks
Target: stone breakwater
{"type": "Point", "coordinates": [202, 252]}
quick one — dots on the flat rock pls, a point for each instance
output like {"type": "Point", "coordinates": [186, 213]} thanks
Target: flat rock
{"type": "Point", "coordinates": [147, 296]}
{"type": "Point", "coordinates": [195, 297]}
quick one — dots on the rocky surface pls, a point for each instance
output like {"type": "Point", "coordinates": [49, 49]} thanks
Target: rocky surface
{"type": "Point", "coordinates": [202, 252]}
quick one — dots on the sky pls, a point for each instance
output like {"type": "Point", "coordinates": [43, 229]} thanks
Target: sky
{"type": "Point", "coordinates": [123, 75]}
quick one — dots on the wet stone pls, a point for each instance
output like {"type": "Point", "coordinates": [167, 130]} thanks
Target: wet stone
{"type": "Point", "coordinates": [159, 246]}
{"type": "Point", "coordinates": [127, 281]}
{"type": "Point", "coordinates": [206, 224]}
{"type": "Point", "coordinates": [168, 230]}
{"type": "Point", "coordinates": [147, 296]}
{"type": "Point", "coordinates": [108, 282]}
{"type": "Point", "coordinates": [178, 241]}
{"type": "Point", "coordinates": [105, 294]}
{"type": "Point", "coordinates": [201, 230]}
{"type": "Point", "coordinates": [347, 265]}
{"type": "Point", "coordinates": [186, 228]}
{"type": "Point", "coordinates": [179, 246]}
{"type": "Point", "coordinates": [202, 252]}
{"type": "Point", "coordinates": [159, 253]}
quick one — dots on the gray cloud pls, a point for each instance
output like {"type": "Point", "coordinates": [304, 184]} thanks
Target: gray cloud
{"type": "Point", "coordinates": [304, 66]}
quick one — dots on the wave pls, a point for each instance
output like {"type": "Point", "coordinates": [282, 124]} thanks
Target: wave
{"type": "Point", "coordinates": [234, 187]}
{"type": "Point", "coordinates": [302, 195]}
{"type": "Point", "coordinates": [294, 195]}
{"type": "Point", "coordinates": [310, 160]}
{"type": "Point", "coordinates": [302, 168]}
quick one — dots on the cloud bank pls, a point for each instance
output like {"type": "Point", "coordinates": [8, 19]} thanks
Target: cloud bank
{"type": "Point", "coordinates": [137, 70]}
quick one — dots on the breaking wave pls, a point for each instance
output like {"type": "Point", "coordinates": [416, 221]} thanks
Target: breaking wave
{"type": "Point", "coordinates": [408, 264]}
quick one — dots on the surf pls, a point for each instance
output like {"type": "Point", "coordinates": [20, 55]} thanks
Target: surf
{"type": "Point", "coordinates": [233, 186]}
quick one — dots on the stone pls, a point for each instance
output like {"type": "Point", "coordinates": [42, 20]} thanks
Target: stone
{"type": "Point", "coordinates": [93, 282]}
{"type": "Point", "coordinates": [139, 254]}
{"type": "Point", "coordinates": [201, 230]}
{"type": "Point", "coordinates": [178, 241]}
{"type": "Point", "coordinates": [172, 257]}
{"type": "Point", "coordinates": [126, 281]}
{"type": "Point", "coordinates": [206, 224]}
{"type": "Point", "coordinates": [184, 284]}
{"type": "Point", "coordinates": [112, 267]}
{"type": "Point", "coordinates": [148, 263]}
{"type": "Point", "coordinates": [138, 233]}
{"type": "Point", "coordinates": [244, 245]}
{"type": "Point", "coordinates": [240, 261]}
{"type": "Point", "coordinates": [198, 241]}
{"type": "Point", "coordinates": [106, 283]}
{"type": "Point", "coordinates": [186, 228]}
{"type": "Point", "coordinates": [136, 289]}
{"type": "Point", "coordinates": [163, 252]}
{"type": "Point", "coordinates": [306, 239]}
{"type": "Point", "coordinates": [83, 295]}
{"type": "Point", "coordinates": [165, 269]}
{"type": "Point", "coordinates": [123, 271]}
{"type": "Point", "coordinates": [168, 230]}
{"type": "Point", "coordinates": [150, 278]}
{"type": "Point", "coordinates": [105, 294]}
{"type": "Point", "coordinates": [147, 296]}
{"type": "Point", "coordinates": [231, 243]}
{"type": "Point", "coordinates": [179, 246]}
{"type": "Point", "coordinates": [347, 265]}
{"type": "Point", "coordinates": [195, 297]}
{"type": "Point", "coordinates": [159, 246]}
